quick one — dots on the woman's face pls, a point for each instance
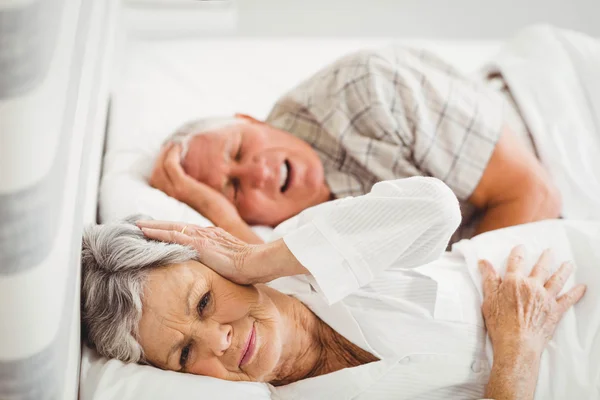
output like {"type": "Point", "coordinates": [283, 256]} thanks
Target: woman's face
{"type": "Point", "coordinates": [195, 321]}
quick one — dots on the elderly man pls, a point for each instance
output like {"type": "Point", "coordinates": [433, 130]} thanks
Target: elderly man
{"type": "Point", "coordinates": [368, 117]}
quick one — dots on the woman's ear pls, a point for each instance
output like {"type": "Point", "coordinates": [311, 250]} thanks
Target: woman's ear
{"type": "Point", "coordinates": [248, 118]}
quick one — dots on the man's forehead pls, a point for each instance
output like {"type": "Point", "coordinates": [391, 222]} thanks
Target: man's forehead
{"type": "Point", "coordinates": [206, 142]}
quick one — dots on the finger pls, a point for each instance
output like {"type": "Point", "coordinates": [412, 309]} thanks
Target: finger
{"type": "Point", "coordinates": [159, 178]}
{"type": "Point", "coordinates": [491, 279]}
{"type": "Point", "coordinates": [570, 298]}
{"type": "Point", "coordinates": [173, 159]}
{"type": "Point", "coordinates": [163, 225]}
{"type": "Point", "coordinates": [163, 153]}
{"type": "Point", "coordinates": [558, 279]}
{"type": "Point", "coordinates": [174, 169]}
{"type": "Point", "coordinates": [168, 236]}
{"type": "Point", "coordinates": [541, 270]}
{"type": "Point", "coordinates": [515, 260]}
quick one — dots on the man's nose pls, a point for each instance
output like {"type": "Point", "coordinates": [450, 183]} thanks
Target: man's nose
{"type": "Point", "coordinates": [255, 172]}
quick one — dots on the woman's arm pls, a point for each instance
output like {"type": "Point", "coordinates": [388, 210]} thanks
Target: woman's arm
{"type": "Point", "coordinates": [404, 222]}
{"type": "Point", "coordinates": [343, 245]}
{"type": "Point", "coordinates": [514, 374]}
{"type": "Point", "coordinates": [521, 313]}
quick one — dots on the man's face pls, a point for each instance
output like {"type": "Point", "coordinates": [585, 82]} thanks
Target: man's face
{"type": "Point", "coordinates": [268, 174]}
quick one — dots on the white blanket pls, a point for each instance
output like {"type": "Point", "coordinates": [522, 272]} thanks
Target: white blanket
{"type": "Point", "coordinates": [554, 76]}
{"type": "Point", "coordinates": [570, 366]}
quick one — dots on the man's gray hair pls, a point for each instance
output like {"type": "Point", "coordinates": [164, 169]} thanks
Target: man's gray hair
{"type": "Point", "coordinates": [198, 127]}
{"type": "Point", "coordinates": [116, 260]}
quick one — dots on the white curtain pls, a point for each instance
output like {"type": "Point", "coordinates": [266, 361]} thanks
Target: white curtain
{"type": "Point", "coordinates": [53, 100]}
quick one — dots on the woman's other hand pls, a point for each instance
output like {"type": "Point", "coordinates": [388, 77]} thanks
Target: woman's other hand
{"type": "Point", "coordinates": [521, 313]}
{"type": "Point", "coordinates": [230, 257]}
{"type": "Point", "coordinates": [524, 310]}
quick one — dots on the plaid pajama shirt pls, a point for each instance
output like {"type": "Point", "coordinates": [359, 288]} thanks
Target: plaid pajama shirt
{"type": "Point", "coordinates": [393, 113]}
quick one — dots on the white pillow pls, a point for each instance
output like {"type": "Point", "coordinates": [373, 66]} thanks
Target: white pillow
{"type": "Point", "coordinates": [103, 379]}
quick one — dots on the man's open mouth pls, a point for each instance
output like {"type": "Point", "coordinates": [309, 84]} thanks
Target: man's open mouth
{"type": "Point", "coordinates": [284, 176]}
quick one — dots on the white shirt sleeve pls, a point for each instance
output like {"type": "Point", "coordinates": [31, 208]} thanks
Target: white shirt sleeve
{"type": "Point", "coordinates": [346, 243]}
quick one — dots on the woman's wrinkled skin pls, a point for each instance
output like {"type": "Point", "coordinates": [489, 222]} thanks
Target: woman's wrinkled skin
{"type": "Point", "coordinates": [196, 321]}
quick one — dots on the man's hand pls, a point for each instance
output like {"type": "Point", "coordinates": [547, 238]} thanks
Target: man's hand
{"type": "Point", "coordinates": [228, 256]}
{"type": "Point", "coordinates": [168, 176]}
{"type": "Point", "coordinates": [521, 313]}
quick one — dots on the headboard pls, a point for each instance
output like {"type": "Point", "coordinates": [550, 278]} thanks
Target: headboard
{"type": "Point", "coordinates": [54, 63]}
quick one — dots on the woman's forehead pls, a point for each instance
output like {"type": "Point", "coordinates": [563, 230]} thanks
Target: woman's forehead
{"type": "Point", "coordinates": [171, 284]}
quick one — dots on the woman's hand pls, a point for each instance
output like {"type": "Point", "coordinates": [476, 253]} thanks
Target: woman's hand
{"type": "Point", "coordinates": [525, 308]}
{"type": "Point", "coordinates": [168, 176]}
{"type": "Point", "coordinates": [228, 256]}
{"type": "Point", "coordinates": [521, 313]}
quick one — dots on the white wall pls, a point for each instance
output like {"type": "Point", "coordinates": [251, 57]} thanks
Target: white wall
{"type": "Point", "coordinates": [429, 19]}
{"type": "Point", "coordinates": [452, 19]}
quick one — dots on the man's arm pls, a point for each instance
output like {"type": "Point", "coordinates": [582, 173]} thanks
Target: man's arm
{"type": "Point", "coordinates": [221, 213]}
{"type": "Point", "coordinates": [514, 188]}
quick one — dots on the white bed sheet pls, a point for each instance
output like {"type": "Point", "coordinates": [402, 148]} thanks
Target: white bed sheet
{"type": "Point", "coordinates": [158, 86]}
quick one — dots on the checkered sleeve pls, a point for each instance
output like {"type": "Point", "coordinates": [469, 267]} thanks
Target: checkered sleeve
{"type": "Point", "coordinates": [454, 121]}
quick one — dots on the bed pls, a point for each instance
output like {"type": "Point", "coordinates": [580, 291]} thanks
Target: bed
{"type": "Point", "coordinates": [97, 103]}
{"type": "Point", "coordinates": [158, 85]}
{"type": "Point", "coordinates": [80, 124]}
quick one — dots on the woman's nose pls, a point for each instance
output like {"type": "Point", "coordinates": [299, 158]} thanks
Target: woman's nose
{"type": "Point", "coordinates": [220, 340]}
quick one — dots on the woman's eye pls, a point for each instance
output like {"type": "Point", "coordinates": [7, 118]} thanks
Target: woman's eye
{"type": "Point", "coordinates": [203, 303]}
{"type": "Point", "coordinates": [185, 352]}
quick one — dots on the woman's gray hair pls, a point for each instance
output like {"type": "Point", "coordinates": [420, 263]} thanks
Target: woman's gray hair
{"type": "Point", "coordinates": [116, 259]}
{"type": "Point", "coordinates": [197, 127]}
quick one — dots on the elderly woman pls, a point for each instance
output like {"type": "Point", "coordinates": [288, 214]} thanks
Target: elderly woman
{"type": "Point", "coordinates": [356, 310]}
